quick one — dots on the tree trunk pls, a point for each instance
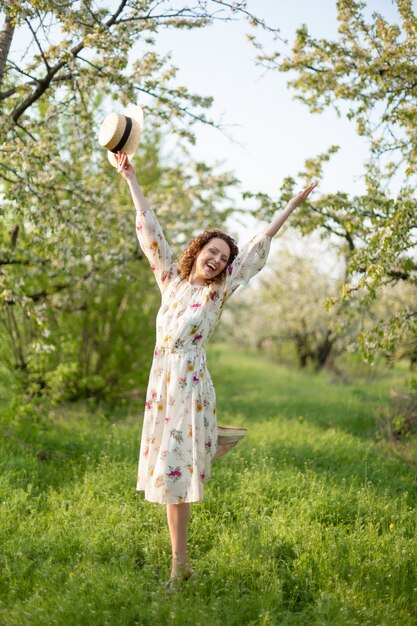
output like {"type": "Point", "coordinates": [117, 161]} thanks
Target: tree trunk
{"type": "Point", "coordinates": [303, 351]}
{"type": "Point", "coordinates": [6, 37]}
{"type": "Point", "coordinates": [323, 351]}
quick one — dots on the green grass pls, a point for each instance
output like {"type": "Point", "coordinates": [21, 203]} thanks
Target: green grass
{"type": "Point", "coordinates": [309, 521]}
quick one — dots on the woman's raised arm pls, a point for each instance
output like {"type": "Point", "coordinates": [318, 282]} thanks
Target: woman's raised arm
{"type": "Point", "coordinates": [148, 230]}
{"type": "Point", "coordinates": [127, 172]}
{"type": "Point", "coordinates": [279, 219]}
{"type": "Point", "coordinates": [251, 259]}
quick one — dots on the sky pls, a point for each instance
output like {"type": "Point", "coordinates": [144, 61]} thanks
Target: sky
{"type": "Point", "coordinates": [273, 133]}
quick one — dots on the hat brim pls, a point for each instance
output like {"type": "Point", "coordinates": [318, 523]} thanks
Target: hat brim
{"type": "Point", "coordinates": [113, 160]}
{"type": "Point", "coordinates": [135, 112]}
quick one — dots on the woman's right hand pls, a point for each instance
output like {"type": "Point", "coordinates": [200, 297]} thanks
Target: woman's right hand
{"type": "Point", "coordinates": [124, 168]}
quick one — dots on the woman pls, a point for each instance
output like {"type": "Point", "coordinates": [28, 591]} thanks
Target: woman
{"type": "Point", "coordinates": [179, 436]}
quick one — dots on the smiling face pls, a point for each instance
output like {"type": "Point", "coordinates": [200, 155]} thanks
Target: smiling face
{"type": "Point", "coordinates": [211, 260]}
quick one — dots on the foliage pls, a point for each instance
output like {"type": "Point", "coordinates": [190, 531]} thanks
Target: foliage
{"type": "Point", "coordinates": [399, 422]}
{"type": "Point", "coordinates": [307, 521]}
{"type": "Point", "coordinates": [383, 326]}
{"type": "Point", "coordinates": [368, 73]}
{"type": "Point", "coordinates": [84, 278]}
{"type": "Point", "coordinates": [285, 317]}
{"type": "Point", "coordinates": [65, 252]}
{"type": "Point", "coordinates": [286, 313]}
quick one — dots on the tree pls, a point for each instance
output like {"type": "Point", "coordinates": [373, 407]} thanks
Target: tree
{"type": "Point", "coordinates": [64, 225]}
{"type": "Point", "coordinates": [369, 74]}
{"type": "Point", "coordinates": [287, 310]}
{"type": "Point", "coordinates": [390, 304]}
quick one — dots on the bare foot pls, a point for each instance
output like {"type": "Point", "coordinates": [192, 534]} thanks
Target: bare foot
{"type": "Point", "coordinates": [179, 573]}
{"type": "Point", "coordinates": [180, 568]}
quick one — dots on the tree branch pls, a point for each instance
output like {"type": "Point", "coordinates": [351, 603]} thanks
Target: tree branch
{"type": "Point", "coordinates": [45, 60]}
{"type": "Point", "coordinates": [13, 262]}
{"type": "Point", "coordinates": [44, 83]}
{"type": "Point", "coordinates": [6, 37]}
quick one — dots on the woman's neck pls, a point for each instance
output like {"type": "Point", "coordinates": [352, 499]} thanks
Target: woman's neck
{"type": "Point", "coordinates": [195, 280]}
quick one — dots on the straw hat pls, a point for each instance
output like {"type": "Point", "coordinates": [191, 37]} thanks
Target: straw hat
{"type": "Point", "coordinates": [230, 434]}
{"type": "Point", "coordinates": [122, 132]}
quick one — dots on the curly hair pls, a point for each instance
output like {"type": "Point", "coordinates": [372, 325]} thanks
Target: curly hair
{"type": "Point", "coordinates": [186, 261]}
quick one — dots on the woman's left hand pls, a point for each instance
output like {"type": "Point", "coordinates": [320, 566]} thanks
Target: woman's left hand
{"type": "Point", "coordinates": [301, 196]}
{"type": "Point", "coordinates": [124, 168]}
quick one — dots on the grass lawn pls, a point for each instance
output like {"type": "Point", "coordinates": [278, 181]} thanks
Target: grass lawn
{"type": "Point", "coordinates": [308, 521]}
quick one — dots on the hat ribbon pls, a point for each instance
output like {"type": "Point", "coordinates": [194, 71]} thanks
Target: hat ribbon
{"type": "Point", "coordinates": [124, 136]}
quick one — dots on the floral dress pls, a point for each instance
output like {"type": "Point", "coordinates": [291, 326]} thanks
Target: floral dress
{"type": "Point", "coordinates": [179, 435]}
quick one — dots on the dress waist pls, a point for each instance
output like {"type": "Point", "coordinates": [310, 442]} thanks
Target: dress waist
{"type": "Point", "coordinates": [174, 350]}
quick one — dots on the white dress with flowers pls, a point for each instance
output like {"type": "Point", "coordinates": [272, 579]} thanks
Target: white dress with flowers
{"type": "Point", "coordinates": [179, 435]}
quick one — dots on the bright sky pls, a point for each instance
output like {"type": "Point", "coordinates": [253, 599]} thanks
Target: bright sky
{"type": "Point", "coordinates": [277, 133]}
{"type": "Point", "coordinates": [274, 133]}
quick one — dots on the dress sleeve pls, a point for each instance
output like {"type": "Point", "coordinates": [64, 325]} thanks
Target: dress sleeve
{"type": "Point", "coordinates": [155, 247]}
{"type": "Point", "coordinates": [248, 262]}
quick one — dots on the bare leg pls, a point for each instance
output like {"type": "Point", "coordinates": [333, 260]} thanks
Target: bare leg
{"type": "Point", "coordinates": [178, 516]}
